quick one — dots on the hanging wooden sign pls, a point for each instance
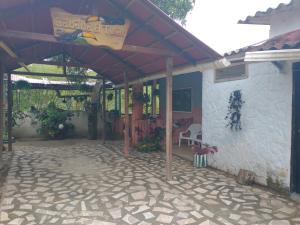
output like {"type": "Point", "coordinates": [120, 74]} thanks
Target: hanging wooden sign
{"type": "Point", "coordinates": [89, 30]}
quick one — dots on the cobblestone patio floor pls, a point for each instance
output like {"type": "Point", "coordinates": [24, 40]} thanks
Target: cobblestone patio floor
{"type": "Point", "coordinates": [86, 183]}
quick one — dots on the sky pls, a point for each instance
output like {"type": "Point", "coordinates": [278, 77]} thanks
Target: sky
{"type": "Point", "coordinates": [215, 23]}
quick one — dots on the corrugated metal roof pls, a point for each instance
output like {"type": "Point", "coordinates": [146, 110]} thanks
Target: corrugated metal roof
{"type": "Point", "coordinates": [44, 81]}
{"type": "Point", "coordinates": [263, 17]}
{"type": "Point", "coordinates": [290, 40]}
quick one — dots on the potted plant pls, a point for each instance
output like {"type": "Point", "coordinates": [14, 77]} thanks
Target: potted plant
{"type": "Point", "coordinates": [141, 98]}
{"type": "Point", "coordinates": [153, 142]}
{"type": "Point", "coordinates": [200, 154]}
{"type": "Point", "coordinates": [110, 97]}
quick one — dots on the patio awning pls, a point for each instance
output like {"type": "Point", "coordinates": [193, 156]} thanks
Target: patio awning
{"type": "Point", "coordinates": [26, 27]}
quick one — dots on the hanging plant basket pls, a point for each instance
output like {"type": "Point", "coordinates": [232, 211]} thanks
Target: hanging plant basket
{"type": "Point", "coordinates": [141, 98]}
{"type": "Point", "coordinates": [110, 97]}
{"type": "Point", "coordinates": [234, 114]}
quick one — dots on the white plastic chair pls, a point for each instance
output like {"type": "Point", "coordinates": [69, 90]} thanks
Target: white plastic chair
{"type": "Point", "coordinates": [194, 131]}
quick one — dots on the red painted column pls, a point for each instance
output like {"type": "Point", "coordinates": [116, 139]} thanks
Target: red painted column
{"type": "Point", "coordinates": [137, 113]}
{"type": "Point", "coordinates": [126, 130]}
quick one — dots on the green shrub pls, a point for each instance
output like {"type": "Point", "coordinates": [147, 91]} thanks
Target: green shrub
{"type": "Point", "coordinates": [153, 142]}
{"type": "Point", "coordinates": [54, 122]}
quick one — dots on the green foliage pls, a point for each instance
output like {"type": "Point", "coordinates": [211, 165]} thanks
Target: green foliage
{"type": "Point", "coordinates": [37, 68]}
{"type": "Point", "coordinates": [155, 92]}
{"type": "Point", "coordinates": [85, 88]}
{"type": "Point", "coordinates": [25, 98]}
{"type": "Point", "coordinates": [18, 116]}
{"type": "Point", "coordinates": [275, 184]}
{"type": "Point", "coordinates": [141, 98]}
{"type": "Point", "coordinates": [176, 9]}
{"type": "Point", "coordinates": [75, 72]}
{"type": "Point", "coordinates": [147, 145]}
{"type": "Point", "coordinates": [110, 97]}
{"type": "Point", "coordinates": [153, 142]}
{"type": "Point", "coordinates": [22, 84]}
{"type": "Point", "coordinates": [54, 122]}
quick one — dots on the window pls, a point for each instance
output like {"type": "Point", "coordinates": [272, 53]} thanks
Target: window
{"type": "Point", "coordinates": [148, 108]}
{"type": "Point", "coordinates": [236, 72]}
{"type": "Point", "coordinates": [182, 100]}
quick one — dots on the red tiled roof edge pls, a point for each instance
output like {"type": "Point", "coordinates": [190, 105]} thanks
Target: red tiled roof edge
{"type": "Point", "coordinates": [288, 40]}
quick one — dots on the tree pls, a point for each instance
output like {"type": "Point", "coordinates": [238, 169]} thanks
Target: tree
{"type": "Point", "coordinates": [176, 9]}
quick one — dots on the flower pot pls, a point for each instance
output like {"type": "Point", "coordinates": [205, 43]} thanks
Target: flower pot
{"type": "Point", "coordinates": [200, 161]}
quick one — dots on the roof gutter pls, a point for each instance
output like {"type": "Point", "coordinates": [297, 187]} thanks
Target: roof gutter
{"type": "Point", "coordinates": [222, 63]}
{"type": "Point", "coordinates": [273, 55]}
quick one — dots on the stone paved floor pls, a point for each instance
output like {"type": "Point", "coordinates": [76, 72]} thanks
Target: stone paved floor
{"type": "Point", "coordinates": [86, 183]}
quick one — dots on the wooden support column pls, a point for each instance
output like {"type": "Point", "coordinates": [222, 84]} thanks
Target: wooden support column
{"type": "Point", "coordinates": [126, 129]}
{"type": "Point", "coordinates": [64, 66]}
{"type": "Point", "coordinates": [93, 114]}
{"type": "Point", "coordinates": [9, 111]}
{"type": "Point", "coordinates": [1, 108]}
{"type": "Point", "coordinates": [154, 98]}
{"type": "Point", "coordinates": [103, 111]}
{"type": "Point", "coordinates": [147, 103]}
{"type": "Point", "coordinates": [120, 102]}
{"type": "Point", "coordinates": [137, 113]}
{"type": "Point", "coordinates": [116, 99]}
{"type": "Point", "coordinates": [169, 118]}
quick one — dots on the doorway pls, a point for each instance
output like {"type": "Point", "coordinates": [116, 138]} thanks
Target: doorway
{"type": "Point", "coordinates": [295, 158]}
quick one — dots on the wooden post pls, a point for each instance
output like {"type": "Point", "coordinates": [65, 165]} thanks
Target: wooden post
{"type": "Point", "coordinates": [126, 130]}
{"type": "Point", "coordinates": [1, 108]}
{"type": "Point", "coordinates": [169, 118]}
{"type": "Point", "coordinates": [94, 113]}
{"type": "Point", "coordinates": [116, 99]}
{"type": "Point", "coordinates": [64, 65]}
{"type": "Point", "coordinates": [147, 103]}
{"type": "Point", "coordinates": [154, 98]}
{"type": "Point", "coordinates": [137, 113]}
{"type": "Point", "coordinates": [120, 102]}
{"type": "Point", "coordinates": [103, 112]}
{"type": "Point", "coordinates": [9, 111]}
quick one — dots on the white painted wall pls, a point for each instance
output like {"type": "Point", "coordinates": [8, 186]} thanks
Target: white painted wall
{"type": "Point", "coordinates": [285, 22]}
{"type": "Point", "coordinates": [264, 144]}
{"type": "Point", "coordinates": [28, 127]}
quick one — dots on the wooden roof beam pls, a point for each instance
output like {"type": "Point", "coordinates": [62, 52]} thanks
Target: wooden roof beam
{"type": "Point", "coordinates": [97, 70]}
{"type": "Point", "coordinates": [26, 7]}
{"type": "Point", "coordinates": [127, 64]}
{"type": "Point", "coordinates": [51, 63]}
{"type": "Point", "coordinates": [140, 27]}
{"type": "Point", "coordinates": [99, 59]}
{"type": "Point", "coordinates": [52, 39]}
{"type": "Point", "coordinates": [129, 4]}
{"type": "Point", "coordinates": [150, 45]}
{"type": "Point", "coordinates": [171, 46]}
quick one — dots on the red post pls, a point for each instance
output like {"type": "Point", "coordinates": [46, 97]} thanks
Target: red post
{"type": "Point", "coordinates": [126, 130]}
{"type": "Point", "coordinates": [9, 111]}
{"type": "Point", "coordinates": [103, 112]}
{"type": "Point", "coordinates": [169, 118]}
{"type": "Point", "coordinates": [137, 112]}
